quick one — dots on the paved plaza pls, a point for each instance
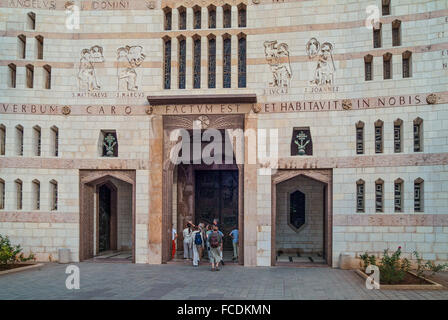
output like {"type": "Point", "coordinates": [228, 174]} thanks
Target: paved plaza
{"type": "Point", "coordinates": [178, 281]}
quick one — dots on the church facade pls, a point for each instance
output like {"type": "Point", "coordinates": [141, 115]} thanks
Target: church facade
{"type": "Point", "coordinates": [316, 129]}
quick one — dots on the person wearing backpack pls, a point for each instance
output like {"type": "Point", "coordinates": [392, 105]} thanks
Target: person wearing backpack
{"type": "Point", "coordinates": [197, 245]}
{"type": "Point", "coordinates": [215, 248]}
{"type": "Point", "coordinates": [188, 242]}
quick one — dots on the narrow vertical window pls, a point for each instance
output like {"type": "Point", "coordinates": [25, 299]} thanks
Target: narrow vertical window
{"type": "Point", "coordinates": [418, 135]}
{"type": "Point", "coordinates": [167, 63]}
{"type": "Point", "coordinates": [360, 137]}
{"type": "Point", "coordinates": [168, 18]}
{"type": "Point", "coordinates": [242, 16]}
{"type": "Point", "coordinates": [379, 136]}
{"type": "Point", "coordinates": [31, 21]}
{"type": "Point", "coordinates": [19, 140]}
{"type": "Point", "coordinates": [398, 195]}
{"type": "Point", "coordinates": [54, 132]}
{"type": "Point", "coordinates": [387, 66]}
{"type": "Point", "coordinates": [19, 194]}
{"type": "Point", "coordinates": [37, 136]}
{"type": "Point", "coordinates": [407, 64]}
{"type": "Point", "coordinates": [418, 195]}
{"type": "Point", "coordinates": [398, 132]}
{"type": "Point", "coordinates": [53, 195]}
{"type": "Point", "coordinates": [21, 39]}
{"type": "Point", "coordinates": [211, 62]}
{"type": "Point", "coordinates": [39, 47]}
{"type": "Point", "coordinates": [182, 44]}
{"type": "Point", "coordinates": [12, 75]}
{"type": "Point", "coordinates": [227, 61]}
{"type": "Point", "coordinates": [242, 61]}
{"type": "Point", "coordinates": [182, 18]}
{"type": "Point", "coordinates": [29, 76]}
{"type": "Point", "coordinates": [396, 33]}
{"type": "Point", "coordinates": [212, 17]}
{"type": "Point", "coordinates": [36, 195]}
{"type": "Point", "coordinates": [379, 189]}
{"type": "Point", "coordinates": [197, 17]}
{"type": "Point", "coordinates": [368, 72]}
{"type": "Point", "coordinates": [386, 7]}
{"type": "Point", "coordinates": [196, 62]}
{"type": "Point", "coordinates": [377, 36]}
{"type": "Point", "coordinates": [227, 16]}
{"type": "Point", "coordinates": [2, 194]}
{"type": "Point", "coordinates": [2, 140]}
{"type": "Point", "coordinates": [47, 76]}
{"type": "Point", "coordinates": [360, 196]}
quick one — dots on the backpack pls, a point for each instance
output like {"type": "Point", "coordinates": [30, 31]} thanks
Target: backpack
{"type": "Point", "coordinates": [214, 240]}
{"type": "Point", "coordinates": [198, 239]}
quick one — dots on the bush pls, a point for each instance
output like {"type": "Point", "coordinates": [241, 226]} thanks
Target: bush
{"type": "Point", "coordinates": [368, 260]}
{"type": "Point", "coordinates": [10, 254]}
{"type": "Point", "coordinates": [428, 266]}
{"type": "Point", "coordinates": [393, 268]}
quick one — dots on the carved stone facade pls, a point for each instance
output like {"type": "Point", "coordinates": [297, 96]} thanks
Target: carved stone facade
{"type": "Point", "coordinates": [303, 75]}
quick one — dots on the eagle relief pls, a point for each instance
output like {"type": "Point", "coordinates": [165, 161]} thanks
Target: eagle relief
{"type": "Point", "coordinates": [323, 75]}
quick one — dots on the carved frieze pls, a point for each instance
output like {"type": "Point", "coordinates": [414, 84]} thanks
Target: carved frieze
{"type": "Point", "coordinates": [129, 59]}
{"type": "Point", "coordinates": [323, 75]}
{"type": "Point", "coordinates": [431, 98]}
{"type": "Point", "coordinates": [87, 80]}
{"type": "Point", "coordinates": [277, 57]}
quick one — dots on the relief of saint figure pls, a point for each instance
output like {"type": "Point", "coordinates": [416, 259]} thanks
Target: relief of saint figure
{"type": "Point", "coordinates": [277, 56]}
{"type": "Point", "coordinates": [324, 72]}
{"type": "Point", "coordinates": [87, 76]}
{"type": "Point", "coordinates": [129, 58]}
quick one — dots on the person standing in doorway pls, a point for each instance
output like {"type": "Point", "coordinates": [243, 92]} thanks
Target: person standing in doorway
{"type": "Point", "coordinates": [207, 240]}
{"type": "Point", "coordinates": [174, 238]}
{"type": "Point", "coordinates": [197, 245]}
{"type": "Point", "coordinates": [215, 246]}
{"type": "Point", "coordinates": [202, 230]}
{"type": "Point", "coordinates": [234, 235]}
{"type": "Point", "coordinates": [188, 242]}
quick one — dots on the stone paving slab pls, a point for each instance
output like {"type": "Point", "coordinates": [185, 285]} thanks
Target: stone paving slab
{"type": "Point", "coordinates": [136, 281]}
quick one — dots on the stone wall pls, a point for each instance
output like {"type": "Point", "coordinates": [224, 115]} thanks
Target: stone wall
{"type": "Point", "coordinates": [424, 31]}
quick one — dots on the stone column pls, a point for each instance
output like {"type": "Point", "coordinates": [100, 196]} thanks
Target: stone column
{"type": "Point", "coordinates": [204, 60]}
{"type": "Point", "coordinates": [234, 78]}
{"type": "Point", "coordinates": [250, 192]}
{"type": "Point", "coordinates": [155, 190]}
{"type": "Point", "coordinates": [174, 63]}
{"type": "Point", "coordinates": [219, 65]}
{"type": "Point", "coordinates": [175, 19]}
{"type": "Point", "coordinates": [219, 18]}
{"type": "Point", "coordinates": [189, 18]}
{"type": "Point", "coordinates": [189, 64]}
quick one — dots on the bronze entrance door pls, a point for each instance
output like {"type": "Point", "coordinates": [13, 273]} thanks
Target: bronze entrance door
{"type": "Point", "coordinates": [104, 213]}
{"type": "Point", "coordinates": [216, 196]}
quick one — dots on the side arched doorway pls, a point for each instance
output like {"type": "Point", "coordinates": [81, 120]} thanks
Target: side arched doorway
{"type": "Point", "coordinates": [302, 217]}
{"type": "Point", "coordinates": [107, 215]}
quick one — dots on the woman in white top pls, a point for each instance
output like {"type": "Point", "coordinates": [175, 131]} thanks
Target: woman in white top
{"type": "Point", "coordinates": [188, 242]}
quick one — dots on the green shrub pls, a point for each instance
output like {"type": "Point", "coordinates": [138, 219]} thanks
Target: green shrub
{"type": "Point", "coordinates": [428, 266]}
{"type": "Point", "coordinates": [368, 260]}
{"type": "Point", "coordinates": [393, 268]}
{"type": "Point", "coordinates": [10, 254]}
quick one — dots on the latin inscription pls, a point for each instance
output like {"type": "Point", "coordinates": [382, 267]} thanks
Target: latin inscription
{"type": "Point", "coordinates": [34, 4]}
